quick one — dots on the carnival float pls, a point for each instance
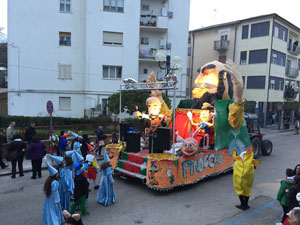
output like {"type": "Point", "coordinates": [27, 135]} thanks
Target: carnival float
{"type": "Point", "coordinates": [186, 144]}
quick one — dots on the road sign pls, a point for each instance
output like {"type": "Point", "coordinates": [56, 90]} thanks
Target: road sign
{"type": "Point", "coordinates": [49, 107]}
{"type": "Point", "coordinates": [279, 107]}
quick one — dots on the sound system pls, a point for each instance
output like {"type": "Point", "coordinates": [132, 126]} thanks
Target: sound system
{"type": "Point", "coordinates": [124, 127]}
{"type": "Point", "coordinates": [153, 147]}
{"type": "Point", "coordinates": [133, 142]}
{"type": "Point", "coordinates": [164, 138]}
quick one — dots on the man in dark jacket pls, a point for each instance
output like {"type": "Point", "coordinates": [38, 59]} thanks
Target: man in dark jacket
{"type": "Point", "coordinates": [100, 139]}
{"type": "Point", "coordinates": [81, 190]}
{"type": "Point", "coordinates": [16, 154]}
{"type": "Point", "coordinates": [30, 132]}
{"type": "Point", "coordinates": [291, 194]}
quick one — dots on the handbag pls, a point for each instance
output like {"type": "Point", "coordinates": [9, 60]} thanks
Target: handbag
{"type": "Point", "coordinates": [101, 143]}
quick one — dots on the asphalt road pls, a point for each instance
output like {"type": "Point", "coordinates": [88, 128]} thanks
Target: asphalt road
{"type": "Point", "coordinates": [209, 202]}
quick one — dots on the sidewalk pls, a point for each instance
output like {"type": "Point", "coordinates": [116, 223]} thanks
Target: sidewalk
{"type": "Point", "coordinates": [26, 167]}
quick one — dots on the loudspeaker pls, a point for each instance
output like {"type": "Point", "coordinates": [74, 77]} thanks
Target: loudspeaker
{"type": "Point", "coordinates": [154, 143]}
{"type": "Point", "coordinates": [164, 138]}
{"type": "Point", "coordinates": [133, 142]}
{"type": "Point", "coordinates": [124, 127]}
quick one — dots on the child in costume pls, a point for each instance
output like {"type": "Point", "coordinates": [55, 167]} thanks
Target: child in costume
{"type": "Point", "coordinates": [52, 208]}
{"type": "Point", "coordinates": [74, 219]}
{"type": "Point", "coordinates": [106, 194]}
{"type": "Point", "coordinates": [53, 140]}
{"type": "Point", "coordinates": [243, 176]}
{"type": "Point", "coordinates": [93, 166]}
{"type": "Point", "coordinates": [81, 191]}
{"type": "Point", "coordinates": [62, 143]}
{"type": "Point", "coordinates": [281, 196]}
{"type": "Point", "coordinates": [75, 145]}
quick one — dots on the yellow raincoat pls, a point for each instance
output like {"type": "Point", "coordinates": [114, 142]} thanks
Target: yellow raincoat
{"type": "Point", "coordinates": [243, 173]}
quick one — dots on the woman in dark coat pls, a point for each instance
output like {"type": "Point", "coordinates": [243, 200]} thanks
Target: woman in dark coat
{"type": "Point", "coordinates": [36, 153]}
{"type": "Point", "coordinates": [291, 194]}
{"type": "Point", "coordinates": [16, 154]}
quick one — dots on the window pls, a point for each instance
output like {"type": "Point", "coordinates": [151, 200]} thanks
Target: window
{"type": "Point", "coordinates": [243, 60]}
{"type": "Point", "coordinates": [258, 56]}
{"type": "Point", "coordinates": [145, 71]}
{"type": "Point", "coordinates": [299, 64]}
{"type": "Point", "coordinates": [280, 32]}
{"type": "Point", "coordinates": [189, 51]}
{"type": "Point", "coordinates": [256, 82]}
{"type": "Point", "coordinates": [145, 8]}
{"type": "Point", "coordinates": [113, 5]}
{"type": "Point", "coordinates": [112, 72]}
{"type": "Point", "coordinates": [65, 38]}
{"type": "Point", "coordinates": [64, 71]}
{"type": "Point", "coordinates": [65, 6]}
{"type": "Point", "coordinates": [65, 103]}
{"type": "Point", "coordinates": [278, 58]}
{"type": "Point", "coordinates": [260, 29]}
{"type": "Point", "coordinates": [112, 38]}
{"type": "Point", "coordinates": [245, 31]}
{"type": "Point", "coordinates": [276, 83]}
{"type": "Point", "coordinates": [144, 41]}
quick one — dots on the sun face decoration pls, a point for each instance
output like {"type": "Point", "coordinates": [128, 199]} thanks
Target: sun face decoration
{"type": "Point", "coordinates": [189, 147]}
{"type": "Point", "coordinates": [154, 106]}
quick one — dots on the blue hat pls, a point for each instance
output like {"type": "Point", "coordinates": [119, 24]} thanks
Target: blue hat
{"type": "Point", "coordinates": [80, 167]}
{"type": "Point", "coordinates": [77, 157]}
{"type": "Point", "coordinates": [56, 159]}
{"type": "Point", "coordinates": [106, 157]}
{"type": "Point", "coordinates": [73, 134]}
{"type": "Point", "coordinates": [69, 153]}
{"type": "Point", "coordinates": [52, 170]}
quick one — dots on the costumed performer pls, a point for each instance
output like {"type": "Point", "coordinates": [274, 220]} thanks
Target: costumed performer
{"type": "Point", "coordinates": [74, 219]}
{"type": "Point", "coordinates": [93, 166]}
{"type": "Point", "coordinates": [106, 193]}
{"type": "Point", "coordinates": [81, 190]}
{"type": "Point", "coordinates": [243, 176]}
{"type": "Point", "coordinates": [52, 208]}
{"type": "Point", "coordinates": [75, 145]}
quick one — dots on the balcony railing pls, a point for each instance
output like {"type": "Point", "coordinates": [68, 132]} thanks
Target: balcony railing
{"type": "Point", "coordinates": [154, 21]}
{"type": "Point", "coordinates": [295, 50]}
{"type": "Point", "coordinates": [290, 92]}
{"type": "Point", "coordinates": [221, 45]}
{"type": "Point", "coordinates": [291, 72]}
{"type": "Point", "coordinates": [147, 54]}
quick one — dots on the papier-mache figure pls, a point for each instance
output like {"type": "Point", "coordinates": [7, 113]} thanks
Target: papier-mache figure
{"type": "Point", "coordinates": [157, 108]}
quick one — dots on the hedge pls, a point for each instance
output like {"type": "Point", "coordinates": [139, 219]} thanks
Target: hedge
{"type": "Point", "coordinates": [24, 121]}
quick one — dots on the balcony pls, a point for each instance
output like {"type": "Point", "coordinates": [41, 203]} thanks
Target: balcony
{"type": "Point", "coordinates": [291, 72]}
{"type": "Point", "coordinates": [148, 55]}
{"type": "Point", "coordinates": [154, 23]}
{"type": "Point", "coordinates": [290, 93]}
{"type": "Point", "coordinates": [221, 45]}
{"type": "Point", "coordinates": [293, 49]}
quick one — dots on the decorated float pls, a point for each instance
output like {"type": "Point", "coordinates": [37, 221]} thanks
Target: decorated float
{"type": "Point", "coordinates": [186, 144]}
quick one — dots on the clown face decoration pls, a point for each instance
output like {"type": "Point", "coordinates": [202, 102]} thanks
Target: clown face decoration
{"type": "Point", "coordinates": [154, 106]}
{"type": "Point", "coordinates": [189, 147]}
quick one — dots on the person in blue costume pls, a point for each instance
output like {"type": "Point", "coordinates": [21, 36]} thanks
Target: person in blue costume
{"type": "Point", "coordinates": [52, 209]}
{"type": "Point", "coordinates": [106, 193]}
{"type": "Point", "coordinates": [66, 184]}
{"type": "Point", "coordinates": [75, 145]}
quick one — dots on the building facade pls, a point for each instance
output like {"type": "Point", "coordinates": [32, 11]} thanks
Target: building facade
{"type": "Point", "coordinates": [266, 51]}
{"type": "Point", "coordinates": [76, 53]}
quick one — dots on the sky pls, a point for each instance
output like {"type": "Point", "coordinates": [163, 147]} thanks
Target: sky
{"type": "Point", "coordinates": [205, 13]}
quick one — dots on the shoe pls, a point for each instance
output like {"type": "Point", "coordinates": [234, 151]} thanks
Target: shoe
{"type": "Point", "coordinates": [3, 167]}
{"type": "Point", "coordinates": [96, 187]}
{"type": "Point", "coordinates": [21, 175]}
{"type": "Point", "coordinates": [242, 207]}
{"type": "Point", "coordinates": [13, 176]}
{"type": "Point", "coordinates": [33, 177]}
{"type": "Point", "coordinates": [40, 176]}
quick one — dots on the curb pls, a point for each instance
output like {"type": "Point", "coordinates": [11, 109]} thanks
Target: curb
{"type": "Point", "coordinates": [24, 171]}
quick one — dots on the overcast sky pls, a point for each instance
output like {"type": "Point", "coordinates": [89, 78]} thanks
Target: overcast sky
{"type": "Point", "coordinates": [204, 13]}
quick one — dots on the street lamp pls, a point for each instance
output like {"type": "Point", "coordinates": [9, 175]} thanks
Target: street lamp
{"type": "Point", "coordinates": [18, 48]}
{"type": "Point", "coordinates": [173, 68]}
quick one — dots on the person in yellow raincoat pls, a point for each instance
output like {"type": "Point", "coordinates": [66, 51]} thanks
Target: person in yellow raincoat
{"type": "Point", "coordinates": [243, 176]}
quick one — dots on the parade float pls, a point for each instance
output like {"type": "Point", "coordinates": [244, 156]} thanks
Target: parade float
{"type": "Point", "coordinates": [204, 131]}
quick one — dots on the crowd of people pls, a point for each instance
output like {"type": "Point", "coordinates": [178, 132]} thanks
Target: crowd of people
{"type": "Point", "coordinates": [288, 196]}
{"type": "Point", "coordinates": [72, 167]}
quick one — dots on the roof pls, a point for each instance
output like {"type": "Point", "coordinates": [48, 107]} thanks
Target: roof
{"type": "Point", "coordinates": [274, 15]}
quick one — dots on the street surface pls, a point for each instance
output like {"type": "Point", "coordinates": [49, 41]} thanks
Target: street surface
{"type": "Point", "coordinates": [209, 202]}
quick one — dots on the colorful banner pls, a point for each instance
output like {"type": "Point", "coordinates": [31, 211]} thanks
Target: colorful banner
{"type": "Point", "coordinates": [166, 174]}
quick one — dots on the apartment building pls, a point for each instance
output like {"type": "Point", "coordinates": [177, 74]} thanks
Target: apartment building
{"type": "Point", "coordinates": [76, 53]}
{"type": "Point", "coordinates": [266, 51]}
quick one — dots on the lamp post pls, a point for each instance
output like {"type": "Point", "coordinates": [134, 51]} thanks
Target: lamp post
{"type": "Point", "coordinates": [18, 48]}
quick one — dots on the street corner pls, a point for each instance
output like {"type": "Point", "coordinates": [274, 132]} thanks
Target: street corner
{"type": "Point", "coordinates": [263, 210]}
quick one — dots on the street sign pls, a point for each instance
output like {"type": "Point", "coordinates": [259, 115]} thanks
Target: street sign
{"type": "Point", "coordinates": [279, 107]}
{"type": "Point", "coordinates": [49, 107]}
